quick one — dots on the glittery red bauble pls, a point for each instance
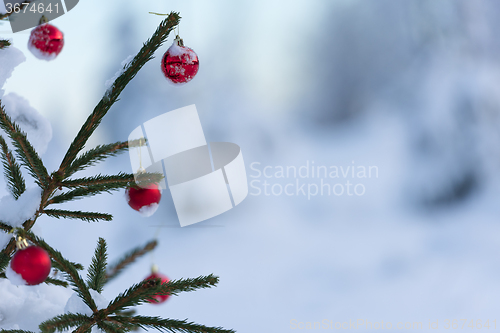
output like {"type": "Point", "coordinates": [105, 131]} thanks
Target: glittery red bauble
{"type": "Point", "coordinates": [46, 41]}
{"type": "Point", "coordinates": [32, 263]}
{"type": "Point", "coordinates": [159, 298]}
{"type": "Point", "coordinates": [144, 199]}
{"type": "Point", "coordinates": [180, 63]}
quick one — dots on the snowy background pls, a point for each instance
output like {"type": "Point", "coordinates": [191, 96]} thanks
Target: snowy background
{"type": "Point", "coordinates": [410, 87]}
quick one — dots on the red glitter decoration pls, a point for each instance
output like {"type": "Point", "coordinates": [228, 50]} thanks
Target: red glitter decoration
{"type": "Point", "coordinates": [46, 41]}
{"type": "Point", "coordinates": [180, 63]}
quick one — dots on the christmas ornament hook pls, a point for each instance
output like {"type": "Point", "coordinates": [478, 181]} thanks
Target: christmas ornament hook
{"type": "Point", "coordinates": [21, 243]}
{"type": "Point", "coordinates": [43, 20]}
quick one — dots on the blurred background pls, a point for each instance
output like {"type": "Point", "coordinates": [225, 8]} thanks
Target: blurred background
{"type": "Point", "coordinates": [408, 87]}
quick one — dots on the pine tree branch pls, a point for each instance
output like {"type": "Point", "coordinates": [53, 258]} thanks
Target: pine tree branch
{"type": "Point", "coordinates": [64, 322]}
{"type": "Point", "coordinates": [111, 96]}
{"type": "Point", "coordinates": [4, 260]}
{"type": "Point", "coordinates": [185, 285]}
{"type": "Point", "coordinates": [129, 258]}
{"type": "Point", "coordinates": [78, 267]}
{"type": "Point", "coordinates": [137, 294]}
{"type": "Point", "coordinates": [23, 4]}
{"type": "Point", "coordinates": [96, 276]}
{"type": "Point", "coordinates": [14, 331]}
{"type": "Point", "coordinates": [4, 44]}
{"type": "Point", "coordinates": [29, 157]}
{"type": "Point", "coordinates": [121, 180]}
{"type": "Point", "coordinates": [114, 327]}
{"type": "Point", "coordinates": [169, 325]}
{"type": "Point", "coordinates": [5, 227]}
{"type": "Point", "coordinates": [99, 153]}
{"type": "Point", "coordinates": [56, 282]}
{"type": "Point", "coordinates": [85, 328]}
{"type": "Point", "coordinates": [65, 266]}
{"type": "Point", "coordinates": [85, 216]}
{"type": "Point", "coordinates": [144, 291]}
{"type": "Point", "coordinates": [81, 192]}
{"type": "Point", "coordinates": [12, 171]}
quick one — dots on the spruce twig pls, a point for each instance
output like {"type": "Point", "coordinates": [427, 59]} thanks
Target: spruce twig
{"type": "Point", "coordinates": [64, 322]}
{"type": "Point", "coordinates": [121, 180]}
{"type": "Point", "coordinates": [170, 325]}
{"type": "Point", "coordinates": [5, 227]}
{"type": "Point", "coordinates": [4, 44]}
{"type": "Point", "coordinates": [78, 267]}
{"type": "Point", "coordinates": [56, 282]}
{"type": "Point", "coordinates": [29, 157]}
{"type": "Point", "coordinates": [111, 96]}
{"type": "Point", "coordinates": [99, 153]}
{"type": "Point", "coordinates": [81, 192]}
{"type": "Point", "coordinates": [12, 171]}
{"type": "Point", "coordinates": [96, 276]}
{"type": "Point", "coordinates": [129, 258]}
{"type": "Point", "coordinates": [4, 260]}
{"type": "Point", "coordinates": [143, 291]}
{"type": "Point", "coordinates": [85, 216]}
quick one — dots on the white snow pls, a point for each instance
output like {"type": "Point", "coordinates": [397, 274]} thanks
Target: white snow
{"type": "Point", "coordinates": [36, 126]}
{"type": "Point", "coordinates": [14, 212]}
{"type": "Point", "coordinates": [177, 51]}
{"type": "Point", "coordinates": [149, 210]}
{"type": "Point", "coordinates": [109, 83]}
{"type": "Point", "coordinates": [10, 57]}
{"type": "Point", "coordinates": [14, 278]}
{"type": "Point", "coordinates": [41, 55]}
{"type": "Point", "coordinates": [25, 307]}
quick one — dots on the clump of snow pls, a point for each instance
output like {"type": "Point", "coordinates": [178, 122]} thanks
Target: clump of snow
{"type": "Point", "coordinates": [76, 305]}
{"type": "Point", "coordinates": [14, 212]}
{"type": "Point", "coordinates": [25, 307]}
{"type": "Point", "coordinates": [41, 55]}
{"type": "Point", "coordinates": [178, 51]}
{"type": "Point", "coordinates": [109, 83]}
{"type": "Point", "coordinates": [14, 278]}
{"type": "Point", "coordinates": [10, 57]}
{"type": "Point", "coordinates": [149, 210]}
{"type": "Point", "coordinates": [36, 126]}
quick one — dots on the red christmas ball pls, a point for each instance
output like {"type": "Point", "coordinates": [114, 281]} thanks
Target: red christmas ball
{"type": "Point", "coordinates": [144, 200]}
{"type": "Point", "coordinates": [32, 264]}
{"type": "Point", "coordinates": [180, 63]}
{"type": "Point", "coordinates": [158, 298]}
{"type": "Point", "coordinates": [46, 41]}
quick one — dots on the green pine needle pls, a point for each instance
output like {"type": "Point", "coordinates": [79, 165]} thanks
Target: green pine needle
{"type": "Point", "coordinates": [170, 325]}
{"type": "Point", "coordinates": [97, 154]}
{"type": "Point", "coordinates": [64, 322]}
{"type": "Point", "coordinates": [4, 44]}
{"type": "Point", "coordinates": [115, 269]}
{"type": "Point", "coordinates": [29, 157]}
{"type": "Point", "coordinates": [85, 216]}
{"type": "Point", "coordinates": [96, 276]}
{"type": "Point", "coordinates": [12, 171]}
